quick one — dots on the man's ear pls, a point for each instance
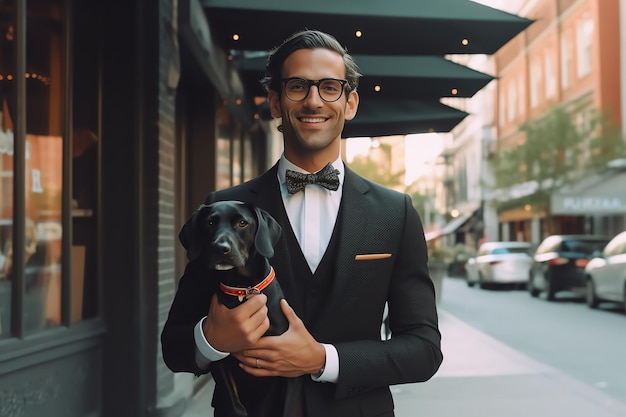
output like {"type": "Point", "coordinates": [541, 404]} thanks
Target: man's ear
{"type": "Point", "coordinates": [351, 105]}
{"type": "Point", "coordinates": [273, 98]}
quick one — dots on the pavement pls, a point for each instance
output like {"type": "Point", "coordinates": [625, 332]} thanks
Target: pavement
{"type": "Point", "coordinates": [482, 377]}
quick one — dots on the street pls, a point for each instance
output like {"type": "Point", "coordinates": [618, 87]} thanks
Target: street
{"type": "Point", "coordinates": [507, 354]}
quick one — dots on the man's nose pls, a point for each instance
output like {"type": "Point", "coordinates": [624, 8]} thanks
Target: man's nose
{"type": "Point", "coordinates": [314, 99]}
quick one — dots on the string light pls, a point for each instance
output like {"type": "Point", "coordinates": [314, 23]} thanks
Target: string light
{"type": "Point", "coordinates": [29, 76]}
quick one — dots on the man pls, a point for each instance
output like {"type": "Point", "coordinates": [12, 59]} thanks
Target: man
{"type": "Point", "coordinates": [343, 254]}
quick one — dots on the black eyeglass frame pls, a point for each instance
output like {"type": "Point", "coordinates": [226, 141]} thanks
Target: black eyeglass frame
{"type": "Point", "coordinates": [316, 83]}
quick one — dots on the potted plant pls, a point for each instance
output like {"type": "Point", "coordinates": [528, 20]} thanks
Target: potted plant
{"type": "Point", "coordinates": [438, 259]}
{"type": "Point", "coordinates": [460, 254]}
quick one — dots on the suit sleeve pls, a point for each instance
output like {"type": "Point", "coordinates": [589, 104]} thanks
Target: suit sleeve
{"type": "Point", "coordinates": [191, 303]}
{"type": "Point", "coordinates": [414, 352]}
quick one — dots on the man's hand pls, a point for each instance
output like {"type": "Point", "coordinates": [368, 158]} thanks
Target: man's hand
{"type": "Point", "coordinates": [233, 330]}
{"type": "Point", "coordinates": [290, 355]}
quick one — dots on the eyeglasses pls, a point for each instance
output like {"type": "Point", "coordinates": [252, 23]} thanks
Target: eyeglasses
{"type": "Point", "coordinates": [329, 89]}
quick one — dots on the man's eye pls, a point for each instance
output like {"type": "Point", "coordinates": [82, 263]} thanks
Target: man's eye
{"type": "Point", "coordinates": [297, 86]}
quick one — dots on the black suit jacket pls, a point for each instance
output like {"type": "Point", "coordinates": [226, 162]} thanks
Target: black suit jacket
{"type": "Point", "coordinates": [373, 220]}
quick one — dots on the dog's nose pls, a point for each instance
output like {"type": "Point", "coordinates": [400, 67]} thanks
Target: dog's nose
{"type": "Point", "coordinates": [225, 249]}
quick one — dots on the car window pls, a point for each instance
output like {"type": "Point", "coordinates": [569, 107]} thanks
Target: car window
{"type": "Point", "coordinates": [502, 251]}
{"type": "Point", "coordinates": [583, 246]}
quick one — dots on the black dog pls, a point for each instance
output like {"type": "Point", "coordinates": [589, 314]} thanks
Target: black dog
{"type": "Point", "coordinates": [236, 240]}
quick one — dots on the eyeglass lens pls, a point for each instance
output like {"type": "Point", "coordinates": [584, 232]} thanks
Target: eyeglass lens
{"type": "Point", "coordinates": [297, 89]}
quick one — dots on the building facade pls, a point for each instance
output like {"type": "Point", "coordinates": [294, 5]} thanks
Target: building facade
{"type": "Point", "coordinates": [569, 58]}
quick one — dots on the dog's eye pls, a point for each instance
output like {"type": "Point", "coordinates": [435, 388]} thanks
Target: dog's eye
{"type": "Point", "coordinates": [242, 223]}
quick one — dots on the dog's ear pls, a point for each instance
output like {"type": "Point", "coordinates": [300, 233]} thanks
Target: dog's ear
{"type": "Point", "coordinates": [189, 235]}
{"type": "Point", "coordinates": [267, 233]}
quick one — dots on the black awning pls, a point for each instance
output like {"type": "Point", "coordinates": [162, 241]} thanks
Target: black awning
{"type": "Point", "coordinates": [393, 27]}
{"type": "Point", "coordinates": [379, 117]}
{"type": "Point", "coordinates": [398, 77]}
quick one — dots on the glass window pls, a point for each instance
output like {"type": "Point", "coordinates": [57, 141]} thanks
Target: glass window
{"type": "Point", "coordinates": [41, 254]}
{"type": "Point", "coordinates": [584, 38]}
{"type": "Point", "coordinates": [566, 60]}
{"type": "Point", "coordinates": [550, 76]}
{"type": "Point", "coordinates": [85, 163]}
{"type": "Point", "coordinates": [536, 82]}
{"type": "Point", "coordinates": [222, 149]}
{"type": "Point", "coordinates": [45, 115]}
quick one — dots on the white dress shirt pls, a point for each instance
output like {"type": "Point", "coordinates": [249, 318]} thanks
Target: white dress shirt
{"type": "Point", "coordinates": [305, 210]}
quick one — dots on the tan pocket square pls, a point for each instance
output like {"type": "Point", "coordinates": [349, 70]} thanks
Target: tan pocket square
{"type": "Point", "coordinates": [372, 256]}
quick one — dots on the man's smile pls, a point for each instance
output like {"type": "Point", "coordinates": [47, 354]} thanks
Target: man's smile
{"type": "Point", "coordinates": [312, 119]}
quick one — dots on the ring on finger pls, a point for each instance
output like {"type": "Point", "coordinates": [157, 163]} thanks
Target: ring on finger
{"type": "Point", "coordinates": [257, 363]}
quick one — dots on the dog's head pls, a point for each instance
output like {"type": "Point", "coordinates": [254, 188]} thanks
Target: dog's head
{"type": "Point", "coordinates": [226, 234]}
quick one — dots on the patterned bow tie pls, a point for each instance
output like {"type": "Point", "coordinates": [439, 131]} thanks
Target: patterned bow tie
{"type": "Point", "coordinates": [328, 177]}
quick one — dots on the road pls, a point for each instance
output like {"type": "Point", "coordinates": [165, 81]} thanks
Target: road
{"type": "Point", "coordinates": [588, 345]}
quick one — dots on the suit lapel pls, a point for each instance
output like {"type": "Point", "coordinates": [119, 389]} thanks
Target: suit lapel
{"type": "Point", "coordinates": [352, 234]}
{"type": "Point", "coordinates": [266, 194]}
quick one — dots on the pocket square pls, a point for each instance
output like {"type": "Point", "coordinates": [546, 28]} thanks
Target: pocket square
{"type": "Point", "coordinates": [372, 256]}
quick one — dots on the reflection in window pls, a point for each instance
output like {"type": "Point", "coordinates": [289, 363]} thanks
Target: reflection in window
{"type": "Point", "coordinates": [222, 149]}
{"type": "Point", "coordinates": [45, 115]}
{"type": "Point", "coordinates": [85, 165]}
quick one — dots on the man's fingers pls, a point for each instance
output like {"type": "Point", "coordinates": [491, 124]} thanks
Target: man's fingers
{"type": "Point", "coordinates": [289, 313]}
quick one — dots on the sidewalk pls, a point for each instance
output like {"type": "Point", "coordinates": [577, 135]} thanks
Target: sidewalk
{"type": "Point", "coordinates": [481, 377]}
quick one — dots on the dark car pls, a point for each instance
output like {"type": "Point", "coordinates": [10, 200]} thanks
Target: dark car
{"type": "Point", "coordinates": [559, 263]}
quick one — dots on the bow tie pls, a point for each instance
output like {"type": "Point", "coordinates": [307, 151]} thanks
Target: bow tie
{"type": "Point", "coordinates": [328, 177]}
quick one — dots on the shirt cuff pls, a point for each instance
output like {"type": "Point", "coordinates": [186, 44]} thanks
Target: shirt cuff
{"type": "Point", "coordinates": [205, 353]}
{"type": "Point", "coordinates": [331, 367]}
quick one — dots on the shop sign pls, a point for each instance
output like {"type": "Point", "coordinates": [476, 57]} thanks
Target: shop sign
{"type": "Point", "coordinates": [592, 205]}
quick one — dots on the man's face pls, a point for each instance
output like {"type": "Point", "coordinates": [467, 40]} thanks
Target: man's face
{"type": "Point", "coordinates": [313, 125]}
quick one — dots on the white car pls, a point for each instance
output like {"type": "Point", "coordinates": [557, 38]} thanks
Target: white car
{"type": "Point", "coordinates": [606, 274]}
{"type": "Point", "coordinates": [499, 263]}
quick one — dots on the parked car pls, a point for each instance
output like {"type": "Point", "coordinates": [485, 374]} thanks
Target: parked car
{"type": "Point", "coordinates": [499, 263]}
{"type": "Point", "coordinates": [559, 263]}
{"type": "Point", "coordinates": [606, 274]}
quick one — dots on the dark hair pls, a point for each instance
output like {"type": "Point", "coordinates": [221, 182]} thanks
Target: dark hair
{"type": "Point", "coordinates": [306, 39]}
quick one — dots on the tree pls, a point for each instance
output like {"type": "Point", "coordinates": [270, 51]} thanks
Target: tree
{"type": "Point", "coordinates": [371, 170]}
{"type": "Point", "coordinates": [556, 152]}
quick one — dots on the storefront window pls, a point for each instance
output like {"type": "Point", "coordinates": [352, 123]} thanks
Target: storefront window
{"type": "Point", "coordinates": [45, 116]}
{"type": "Point", "coordinates": [85, 163]}
{"type": "Point", "coordinates": [222, 149]}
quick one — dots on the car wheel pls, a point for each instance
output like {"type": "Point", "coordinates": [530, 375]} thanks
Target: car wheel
{"type": "Point", "coordinates": [550, 293]}
{"type": "Point", "coordinates": [532, 290]}
{"type": "Point", "coordinates": [481, 282]}
{"type": "Point", "coordinates": [470, 283]}
{"type": "Point", "coordinates": [590, 294]}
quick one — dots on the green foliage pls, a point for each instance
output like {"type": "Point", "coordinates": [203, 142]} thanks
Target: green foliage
{"type": "Point", "coordinates": [556, 152]}
{"type": "Point", "coordinates": [462, 252]}
{"type": "Point", "coordinates": [419, 202]}
{"type": "Point", "coordinates": [440, 255]}
{"type": "Point", "coordinates": [369, 169]}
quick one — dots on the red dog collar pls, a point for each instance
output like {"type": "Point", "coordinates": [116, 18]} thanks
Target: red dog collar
{"type": "Point", "coordinates": [242, 293]}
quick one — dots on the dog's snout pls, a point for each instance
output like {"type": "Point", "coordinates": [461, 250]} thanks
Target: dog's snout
{"type": "Point", "coordinates": [223, 247]}
{"type": "Point", "coordinates": [223, 244]}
